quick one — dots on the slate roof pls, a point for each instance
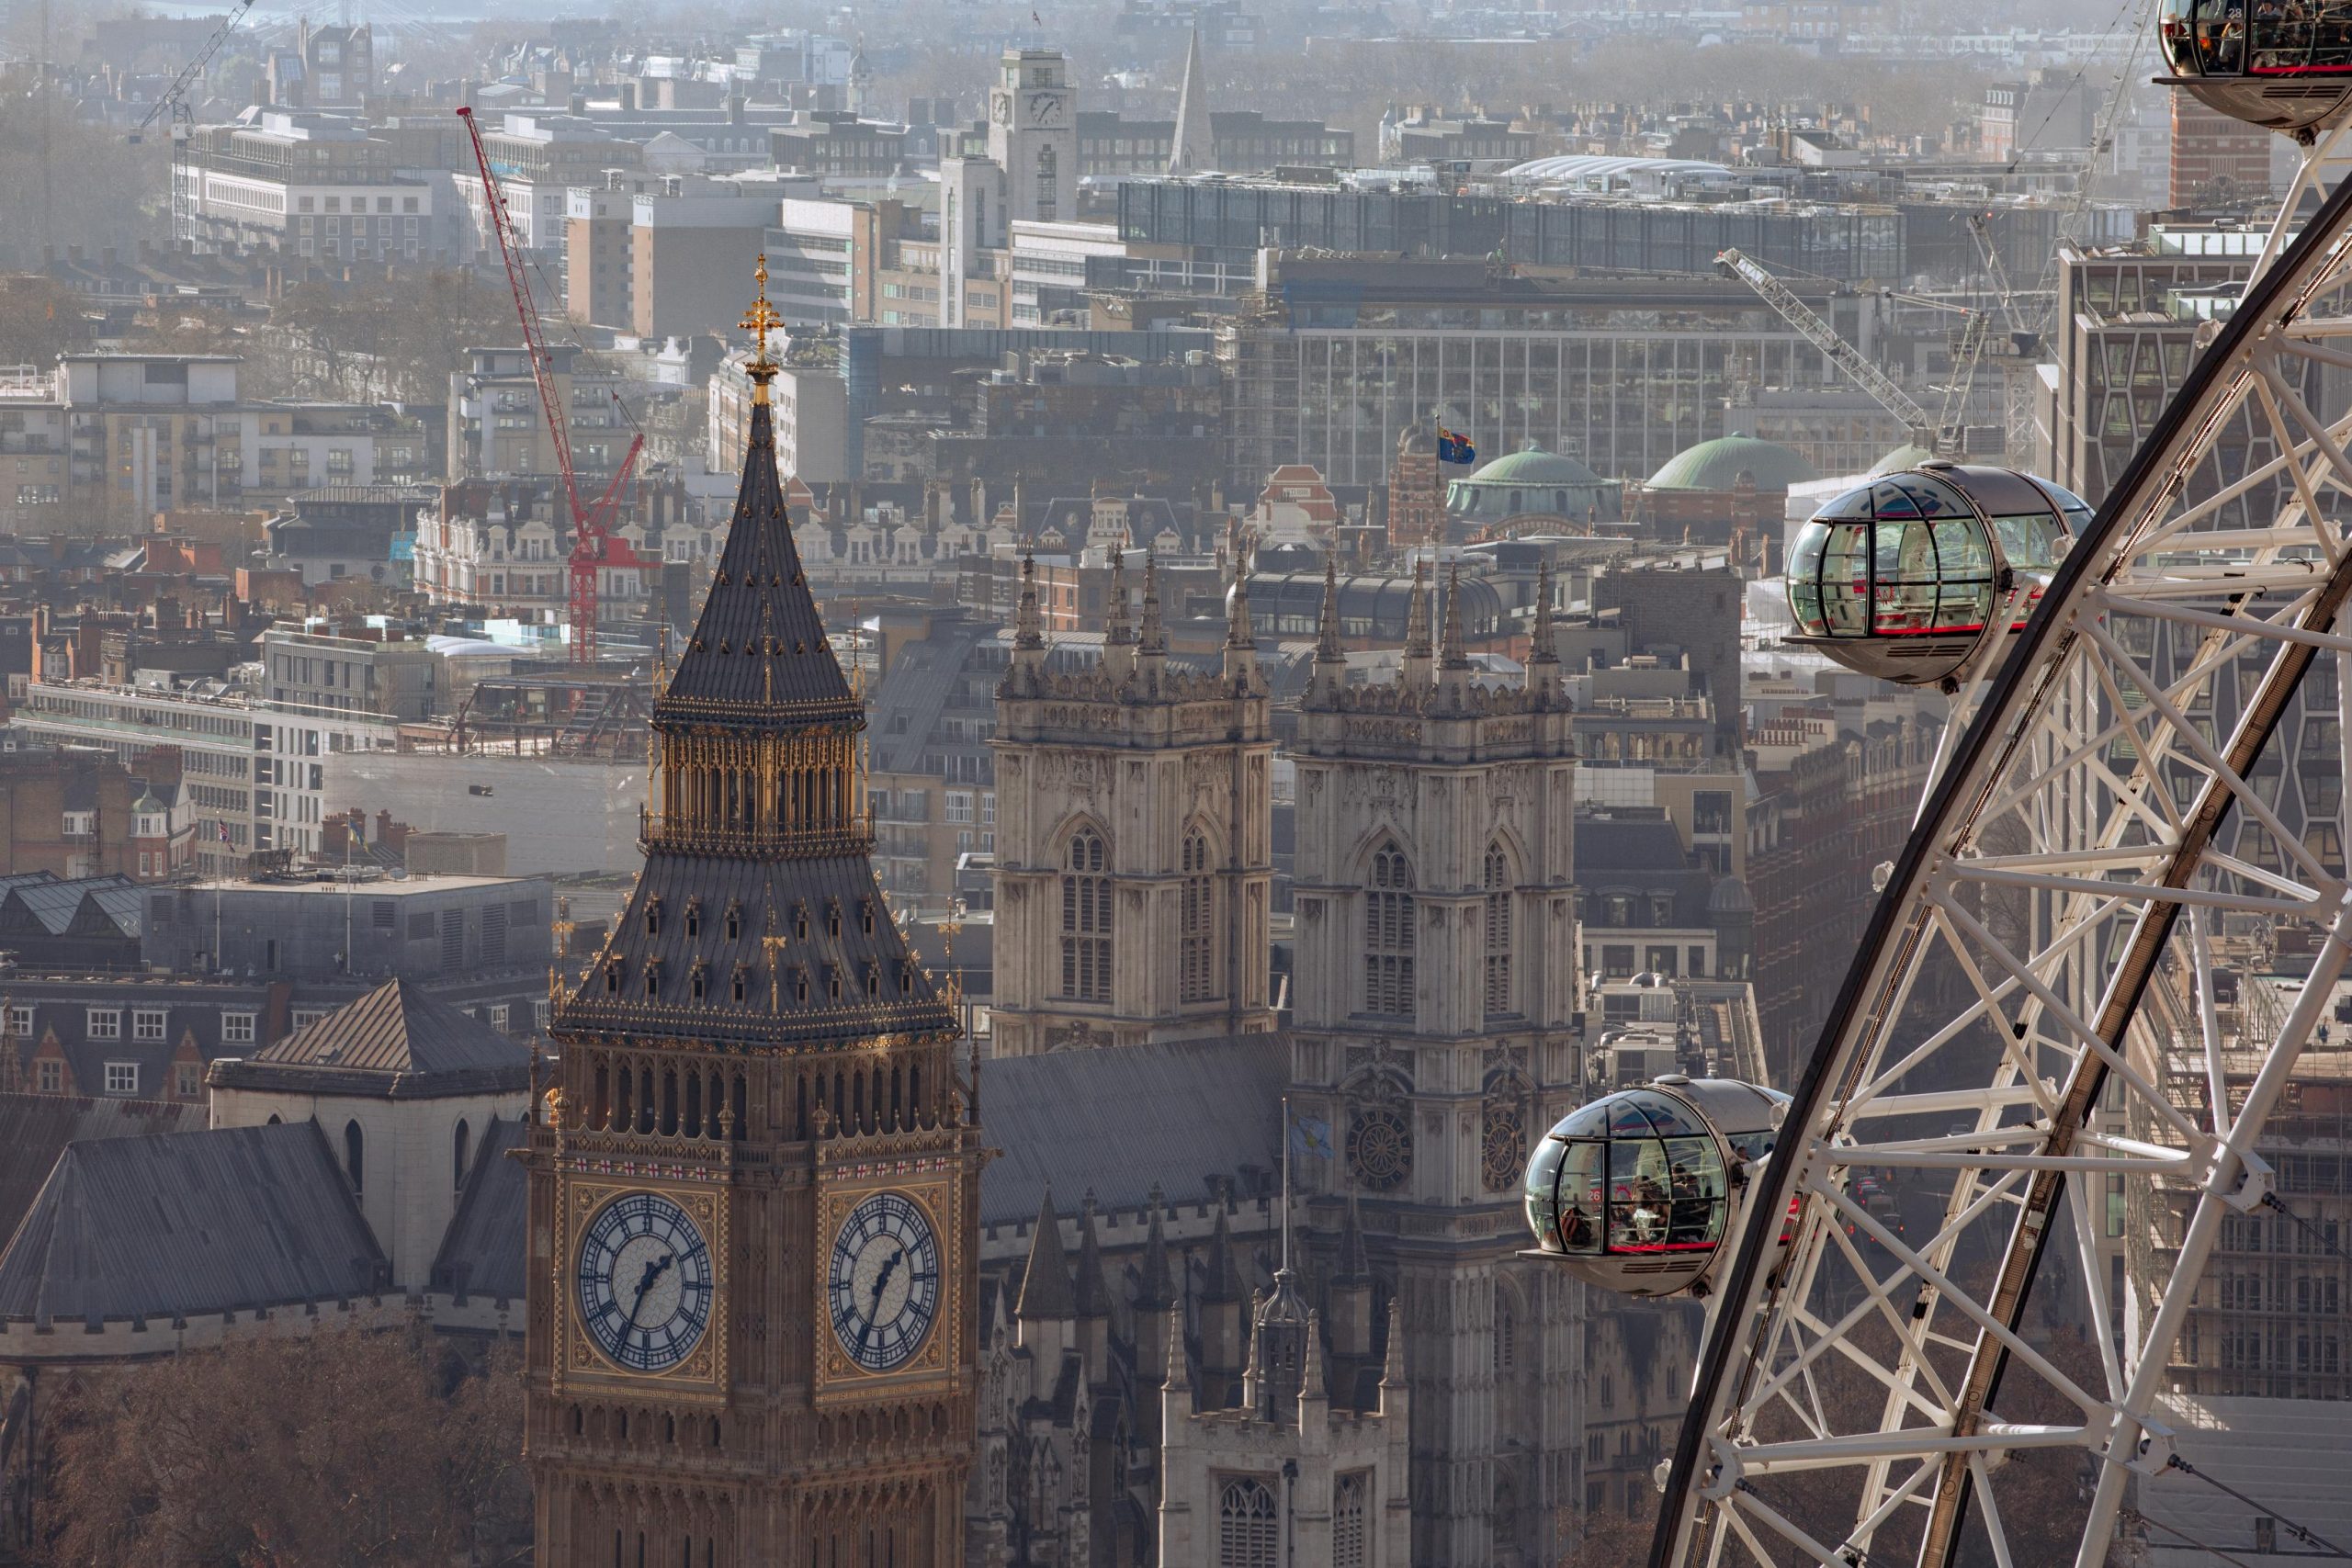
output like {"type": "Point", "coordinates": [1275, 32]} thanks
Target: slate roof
{"type": "Point", "coordinates": [481, 1253]}
{"type": "Point", "coordinates": [758, 642]}
{"type": "Point", "coordinates": [34, 1129]}
{"type": "Point", "coordinates": [226, 1220]}
{"type": "Point", "coordinates": [397, 1029]}
{"type": "Point", "coordinates": [817, 884]}
{"type": "Point", "coordinates": [1185, 1114]}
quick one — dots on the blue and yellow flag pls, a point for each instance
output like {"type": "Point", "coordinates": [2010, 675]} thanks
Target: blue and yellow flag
{"type": "Point", "coordinates": [1453, 449]}
{"type": "Point", "coordinates": [1310, 1136]}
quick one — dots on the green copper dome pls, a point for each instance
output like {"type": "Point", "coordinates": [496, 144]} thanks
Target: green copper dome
{"type": "Point", "coordinates": [1718, 464]}
{"type": "Point", "coordinates": [1908, 455]}
{"type": "Point", "coordinates": [1534, 467]}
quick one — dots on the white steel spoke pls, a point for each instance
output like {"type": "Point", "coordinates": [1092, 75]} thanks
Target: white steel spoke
{"type": "Point", "coordinates": [2033, 1024]}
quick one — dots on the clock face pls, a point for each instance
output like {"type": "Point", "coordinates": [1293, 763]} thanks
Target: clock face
{"type": "Point", "coordinates": [1003, 108]}
{"type": "Point", "coordinates": [1043, 106]}
{"type": "Point", "coordinates": [882, 1283]}
{"type": "Point", "coordinates": [645, 1282]}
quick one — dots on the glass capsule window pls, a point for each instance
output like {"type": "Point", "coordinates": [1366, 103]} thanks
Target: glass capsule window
{"type": "Point", "coordinates": [1903, 556]}
{"type": "Point", "coordinates": [2265, 38]}
{"type": "Point", "coordinates": [1634, 1174]}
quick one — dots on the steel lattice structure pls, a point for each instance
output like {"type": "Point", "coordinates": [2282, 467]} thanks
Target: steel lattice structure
{"type": "Point", "coordinates": [2038, 948]}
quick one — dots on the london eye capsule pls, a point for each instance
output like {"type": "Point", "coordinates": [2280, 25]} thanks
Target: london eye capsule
{"type": "Point", "coordinates": [2282, 64]}
{"type": "Point", "coordinates": [1909, 575]}
{"type": "Point", "coordinates": [1637, 1193]}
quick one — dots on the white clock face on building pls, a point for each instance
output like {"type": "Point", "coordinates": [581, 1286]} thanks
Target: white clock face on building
{"type": "Point", "coordinates": [645, 1282]}
{"type": "Point", "coordinates": [883, 1282]}
{"type": "Point", "coordinates": [1044, 107]}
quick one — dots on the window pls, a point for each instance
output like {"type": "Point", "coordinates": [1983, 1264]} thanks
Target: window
{"type": "Point", "coordinates": [49, 1076]}
{"type": "Point", "coordinates": [122, 1077]}
{"type": "Point", "coordinates": [236, 1028]}
{"type": "Point", "coordinates": [1249, 1533]}
{"type": "Point", "coordinates": [1348, 1514]}
{"type": "Point", "coordinates": [20, 1022]}
{"type": "Point", "coordinates": [188, 1078]}
{"type": "Point", "coordinates": [354, 1155]}
{"type": "Point", "coordinates": [105, 1023]}
{"type": "Point", "coordinates": [147, 1023]}
{"type": "Point", "coordinates": [304, 1017]}
{"type": "Point", "coordinates": [1499, 897]}
{"type": "Point", "coordinates": [1388, 934]}
{"type": "Point", "coordinates": [1197, 928]}
{"type": "Point", "coordinates": [458, 1154]}
{"type": "Point", "coordinates": [1086, 920]}
{"type": "Point", "coordinates": [498, 1014]}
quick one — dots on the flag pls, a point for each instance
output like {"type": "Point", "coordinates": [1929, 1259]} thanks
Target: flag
{"type": "Point", "coordinates": [1310, 1136]}
{"type": "Point", "coordinates": [1453, 449]}
{"type": "Point", "coordinates": [225, 831]}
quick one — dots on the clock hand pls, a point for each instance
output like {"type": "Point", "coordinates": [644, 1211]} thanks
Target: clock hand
{"type": "Point", "coordinates": [889, 1266]}
{"type": "Point", "coordinates": [652, 1272]}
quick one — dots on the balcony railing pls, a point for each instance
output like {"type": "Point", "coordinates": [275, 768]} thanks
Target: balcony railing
{"type": "Point", "coordinates": [686, 835]}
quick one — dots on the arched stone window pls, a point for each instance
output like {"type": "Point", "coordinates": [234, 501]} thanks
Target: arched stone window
{"type": "Point", "coordinates": [1086, 920]}
{"type": "Point", "coordinates": [1349, 1525]}
{"type": "Point", "coordinates": [1197, 968]}
{"type": "Point", "coordinates": [354, 1155]}
{"type": "Point", "coordinates": [458, 1162]}
{"type": "Point", "coordinates": [1498, 897]}
{"type": "Point", "coordinates": [1249, 1531]}
{"type": "Point", "coordinates": [1388, 933]}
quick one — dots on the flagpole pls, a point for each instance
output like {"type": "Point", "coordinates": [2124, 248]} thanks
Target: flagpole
{"type": "Point", "coordinates": [1285, 1181]}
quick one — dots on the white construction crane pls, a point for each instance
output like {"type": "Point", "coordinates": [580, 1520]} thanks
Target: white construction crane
{"type": "Point", "coordinates": [1940, 433]}
{"type": "Point", "coordinates": [174, 103]}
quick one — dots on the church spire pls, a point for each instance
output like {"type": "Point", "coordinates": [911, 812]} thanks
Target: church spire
{"type": "Point", "coordinates": [1157, 1289]}
{"type": "Point", "coordinates": [1046, 1293]}
{"type": "Point", "coordinates": [1151, 641]}
{"type": "Point", "coordinates": [1240, 635]}
{"type": "Point", "coordinates": [1190, 150]}
{"type": "Point", "coordinates": [1417, 634]}
{"type": "Point", "coordinates": [1024, 673]}
{"type": "Point", "coordinates": [1331, 658]}
{"type": "Point", "coordinates": [1452, 656]}
{"type": "Point", "coordinates": [1119, 626]}
{"type": "Point", "coordinates": [1543, 655]}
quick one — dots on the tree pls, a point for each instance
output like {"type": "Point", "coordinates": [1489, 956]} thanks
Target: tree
{"type": "Point", "coordinates": [342, 1446]}
{"type": "Point", "coordinates": [40, 319]}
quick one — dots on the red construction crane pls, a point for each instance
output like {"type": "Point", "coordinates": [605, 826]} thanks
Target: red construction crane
{"type": "Point", "coordinates": [591, 536]}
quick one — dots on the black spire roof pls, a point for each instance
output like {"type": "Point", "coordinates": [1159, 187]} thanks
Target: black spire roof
{"type": "Point", "coordinates": [759, 649]}
{"type": "Point", "coordinates": [757, 921]}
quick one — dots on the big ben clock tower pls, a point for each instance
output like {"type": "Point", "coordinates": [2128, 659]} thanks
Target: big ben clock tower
{"type": "Point", "coordinates": [753, 1188]}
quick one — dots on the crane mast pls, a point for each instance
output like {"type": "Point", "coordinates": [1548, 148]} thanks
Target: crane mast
{"type": "Point", "coordinates": [172, 101]}
{"type": "Point", "coordinates": [591, 533]}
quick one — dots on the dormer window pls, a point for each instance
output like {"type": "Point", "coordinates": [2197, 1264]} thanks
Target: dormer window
{"type": "Point", "coordinates": [652, 982]}
{"type": "Point", "coordinates": [701, 981]}
{"type": "Point", "coordinates": [799, 984]}
{"type": "Point", "coordinates": [694, 917]}
{"type": "Point", "coordinates": [833, 917]}
{"type": "Point", "coordinates": [865, 915]}
{"type": "Point", "coordinates": [872, 980]}
{"type": "Point", "coordinates": [613, 978]}
{"type": "Point", "coordinates": [653, 917]}
{"type": "Point", "coordinates": [833, 981]}
{"type": "Point", "coordinates": [734, 922]}
{"type": "Point", "coordinates": [800, 922]}
{"type": "Point", "coordinates": [739, 981]}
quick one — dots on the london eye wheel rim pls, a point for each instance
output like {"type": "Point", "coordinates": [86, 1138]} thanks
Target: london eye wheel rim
{"type": "Point", "coordinates": [1704, 1480]}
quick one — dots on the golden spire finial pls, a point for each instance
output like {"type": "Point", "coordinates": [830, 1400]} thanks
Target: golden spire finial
{"type": "Point", "coordinates": [759, 321]}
